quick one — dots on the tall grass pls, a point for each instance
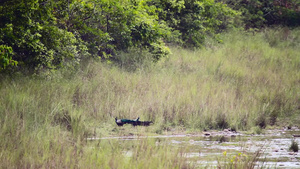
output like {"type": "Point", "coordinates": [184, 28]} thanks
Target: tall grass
{"type": "Point", "coordinates": [249, 80]}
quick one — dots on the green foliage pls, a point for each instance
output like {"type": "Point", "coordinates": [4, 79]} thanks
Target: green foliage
{"type": "Point", "coordinates": [55, 34]}
{"type": "Point", "coordinates": [6, 60]}
{"type": "Point", "coordinates": [195, 19]}
{"type": "Point", "coordinates": [261, 13]}
{"type": "Point", "coordinates": [58, 34]}
{"type": "Point", "coordinates": [29, 28]}
{"type": "Point", "coordinates": [111, 26]}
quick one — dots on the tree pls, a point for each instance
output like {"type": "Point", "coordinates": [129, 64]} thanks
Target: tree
{"type": "Point", "coordinates": [29, 28]}
{"type": "Point", "coordinates": [195, 19]}
{"type": "Point", "coordinates": [261, 13]}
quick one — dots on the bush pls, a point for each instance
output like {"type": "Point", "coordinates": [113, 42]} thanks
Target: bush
{"type": "Point", "coordinates": [37, 42]}
{"type": "Point", "coordinates": [6, 59]}
{"type": "Point", "coordinates": [294, 146]}
{"type": "Point", "coordinates": [262, 13]}
{"type": "Point", "coordinates": [44, 35]}
{"type": "Point", "coordinates": [221, 121]}
{"type": "Point", "coordinates": [195, 19]}
{"type": "Point", "coordinates": [261, 121]}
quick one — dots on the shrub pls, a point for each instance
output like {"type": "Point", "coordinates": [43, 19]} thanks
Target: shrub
{"type": "Point", "coordinates": [294, 146]}
{"type": "Point", "coordinates": [261, 121]}
{"type": "Point", "coordinates": [6, 59]}
{"type": "Point", "coordinates": [221, 121]}
{"type": "Point", "coordinates": [195, 20]}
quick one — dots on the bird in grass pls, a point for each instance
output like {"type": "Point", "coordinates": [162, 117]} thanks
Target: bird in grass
{"type": "Point", "coordinates": [121, 122]}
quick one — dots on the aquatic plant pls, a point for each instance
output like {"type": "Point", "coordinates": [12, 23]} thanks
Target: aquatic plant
{"type": "Point", "coordinates": [222, 139]}
{"type": "Point", "coordinates": [294, 146]}
{"type": "Point", "coordinates": [238, 160]}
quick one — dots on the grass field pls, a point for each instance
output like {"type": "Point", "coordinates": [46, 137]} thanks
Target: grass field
{"type": "Point", "coordinates": [248, 82]}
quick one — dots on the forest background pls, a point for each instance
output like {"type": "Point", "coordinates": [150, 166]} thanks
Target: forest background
{"type": "Point", "coordinates": [46, 35]}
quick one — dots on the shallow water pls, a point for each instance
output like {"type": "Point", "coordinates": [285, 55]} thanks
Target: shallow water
{"type": "Point", "coordinates": [206, 150]}
{"type": "Point", "coordinates": [274, 150]}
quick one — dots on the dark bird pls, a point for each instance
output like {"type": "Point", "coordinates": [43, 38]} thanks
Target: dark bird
{"type": "Point", "coordinates": [119, 122]}
{"type": "Point", "coordinates": [135, 122]}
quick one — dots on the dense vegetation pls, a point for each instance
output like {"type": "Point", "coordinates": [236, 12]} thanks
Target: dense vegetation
{"type": "Point", "coordinates": [56, 34]}
{"type": "Point", "coordinates": [38, 35]}
{"type": "Point", "coordinates": [67, 68]}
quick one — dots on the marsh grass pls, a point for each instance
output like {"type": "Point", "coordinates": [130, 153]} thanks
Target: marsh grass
{"type": "Point", "coordinates": [247, 80]}
{"type": "Point", "coordinates": [141, 153]}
